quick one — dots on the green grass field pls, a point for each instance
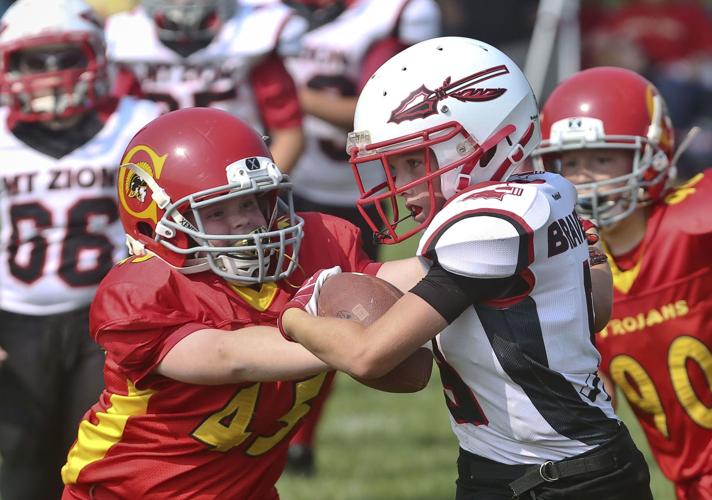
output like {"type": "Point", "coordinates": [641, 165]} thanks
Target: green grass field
{"type": "Point", "coordinates": [377, 446]}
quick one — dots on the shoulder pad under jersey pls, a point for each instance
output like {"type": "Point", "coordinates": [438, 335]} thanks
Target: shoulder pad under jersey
{"type": "Point", "coordinates": [488, 230]}
{"type": "Point", "coordinates": [689, 204]}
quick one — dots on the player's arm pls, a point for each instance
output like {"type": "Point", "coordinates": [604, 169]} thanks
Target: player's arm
{"type": "Point", "coordinates": [278, 103]}
{"type": "Point", "coordinates": [286, 147]}
{"type": "Point", "coordinates": [404, 274]}
{"type": "Point", "coordinates": [337, 109]}
{"type": "Point", "coordinates": [601, 283]}
{"type": "Point", "coordinates": [254, 354]}
{"type": "Point", "coordinates": [3, 355]}
{"type": "Point", "coordinates": [418, 316]}
{"type": "Point", "coordinates": [420, 20]}
{"type": "Point", "coordinates": [367, 352]}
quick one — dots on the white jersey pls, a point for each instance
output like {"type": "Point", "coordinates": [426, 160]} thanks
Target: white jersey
{"type": "Point", "coordinates": [520, 374]}
{"type": "Point", "coordinates": [60, 231]}
{"type": "Point", "coordinates": [216, 75]}
{"type": "Point", "coordinates": [331, 58]}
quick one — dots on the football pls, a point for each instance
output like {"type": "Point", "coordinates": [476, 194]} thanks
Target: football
{"type": "Point", "coordinates": [360, 297]}
{"type": "Point", "coordinates": [365, 298]}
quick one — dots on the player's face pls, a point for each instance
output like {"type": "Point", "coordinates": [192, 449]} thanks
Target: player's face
{"type": "Point", "coordinates": [241, 215]}
{"type": "Point", "coordinates": [49, 95]}
{"type": "Point", "coordinates": [50, 58]}
{"type": "Point", "coordinates": [595, 165]}
{"type": "Point", "coordinates": [409, 167]}
{"type": "Point", "coordinates": [590, 169]}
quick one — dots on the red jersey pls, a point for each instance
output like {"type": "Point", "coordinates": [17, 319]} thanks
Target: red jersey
{"type": "Point", "coordinates": [656, 347]}
{"type": "Point", "coordinates": [665, 31]}
{"type": "Point", "coordinates": [150, 436]}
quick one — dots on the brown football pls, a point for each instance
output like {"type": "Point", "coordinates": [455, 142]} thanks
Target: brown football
{"type": "Point", "coordinates": [365, 298]}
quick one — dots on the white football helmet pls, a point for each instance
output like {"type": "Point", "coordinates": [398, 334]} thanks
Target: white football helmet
{"type": "Point", "coordinates": [52, 59]}
{"type": "Point", "coordinates": [460, 98]}
{"type": "Point", "coordinates": [189, 20]}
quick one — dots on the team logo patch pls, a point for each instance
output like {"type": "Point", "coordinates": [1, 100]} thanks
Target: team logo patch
{"type": "Point", "coordinates": [423, 102]}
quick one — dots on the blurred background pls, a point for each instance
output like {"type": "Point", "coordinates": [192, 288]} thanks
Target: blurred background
{"type": "Point", "coordinates": [380, 446]}
{"type": "Point", "coordinates": [667, 41]}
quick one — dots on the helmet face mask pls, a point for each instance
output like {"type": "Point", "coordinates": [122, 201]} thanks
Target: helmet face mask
{"type": "Point", "coordinates": [254, 256]}
{"type": "Point", "coordinates": [610, 109]}
{"type": "Point", "coordinates": [318, 12]}
{"type": "Point", "coordinates": [189, 20]}
{"type": "Point", "coordinates": [379, 157]}
{"type": "Point", "coordinates": [607, 180]}
{"type": "Point", "coordinates": [55, 67]}
{"type": "Point", "coordinates": [463, 100]}
{"type": "Point", "coordinates": [236, 220]}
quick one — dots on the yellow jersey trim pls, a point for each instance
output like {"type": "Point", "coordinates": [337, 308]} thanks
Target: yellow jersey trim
{"type": "Point", "coordinates": [259, 299]}
{"type": "Point", "coordinates": [94, 441]}
{"type": "Point", "coordinates": [623, 280]}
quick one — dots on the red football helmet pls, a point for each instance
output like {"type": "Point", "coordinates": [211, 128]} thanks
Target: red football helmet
{"type": "Point", "coordinates": [610, 108]}
{"type": "Point", "coordinates": [193, 158]}
{"type": "Point", "coordinates": [52, 59]}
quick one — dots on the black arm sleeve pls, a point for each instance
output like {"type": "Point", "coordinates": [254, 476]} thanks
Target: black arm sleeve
{"type": "Point", "coordinates": [450, 294]}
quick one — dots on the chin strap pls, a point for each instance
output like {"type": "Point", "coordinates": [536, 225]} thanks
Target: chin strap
{"type": "Point", "coordinates": [516, 155]}
{"type": "Point", "coordinates": [685, 144]}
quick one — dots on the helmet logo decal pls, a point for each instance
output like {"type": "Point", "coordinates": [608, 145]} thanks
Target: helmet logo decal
{"type": "Point", "coordinates": [137, 187]}
{"type": "Point", "coordinates": [666, 137]}
{"type": "Point", "coordinates": [133, 189]}
{"type": "Point", "coordinates": [252, 163]}
{"type": "Point", "coordinates": [496, 193]}
{"type": "Point", "coordinates": [422, 102]}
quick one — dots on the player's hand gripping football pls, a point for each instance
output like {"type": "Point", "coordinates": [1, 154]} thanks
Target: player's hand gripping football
{"type": "Point", "coordinates": [595, 255]}
{"type": "Point", "coordinates": [307, 296]}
